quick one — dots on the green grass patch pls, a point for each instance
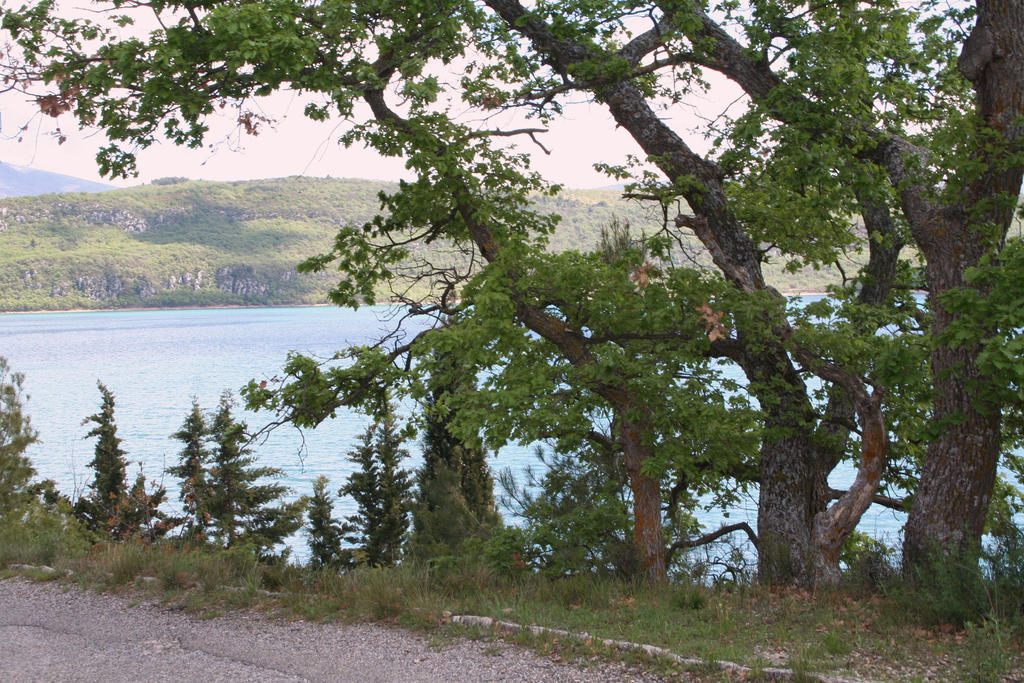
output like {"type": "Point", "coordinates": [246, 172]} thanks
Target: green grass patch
{"type": "Point", "coordinates": [841, 633]}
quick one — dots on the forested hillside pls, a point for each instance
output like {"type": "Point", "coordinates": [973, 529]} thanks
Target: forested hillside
{"type": "Point", "coordinates": [192, 243]}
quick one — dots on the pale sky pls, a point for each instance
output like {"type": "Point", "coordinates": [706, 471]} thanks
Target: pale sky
{"type": "Point", "coordinates": [298, 146]}
{"type": "Point", "coordinates": [293, 146]}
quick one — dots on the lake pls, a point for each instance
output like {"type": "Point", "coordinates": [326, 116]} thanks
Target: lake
{"type": "Point", "coordinates": [156, 360]}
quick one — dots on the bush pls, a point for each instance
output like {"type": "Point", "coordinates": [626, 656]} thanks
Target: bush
{"type": "Point", "coordinates": [971, 586]}
{"type": "Point", "coordinates": [38, 535]}
{"type": "Point", "coordinates": [1006, 571]}
{"type": "Point", "coordinates": [869, 563]}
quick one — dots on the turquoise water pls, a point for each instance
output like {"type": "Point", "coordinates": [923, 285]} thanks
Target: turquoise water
{"type": "Point", "coordinates": [154, 361]}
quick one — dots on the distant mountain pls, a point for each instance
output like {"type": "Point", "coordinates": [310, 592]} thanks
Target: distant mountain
{"type": "Point", "coordinates": [19, 181]}
{"type": "Point", "coordinates": [177, 242]}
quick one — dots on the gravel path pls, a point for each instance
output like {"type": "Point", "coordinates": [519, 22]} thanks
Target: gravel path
{"type": "Point", "coordinates": [50, 632]}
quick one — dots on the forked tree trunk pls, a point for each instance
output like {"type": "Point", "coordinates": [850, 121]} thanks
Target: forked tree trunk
{"type": "Point", "coordinates": [791, 494]}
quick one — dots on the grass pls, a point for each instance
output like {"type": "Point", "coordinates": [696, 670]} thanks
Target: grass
{"type": "Point", "coordinates": [842, 633]}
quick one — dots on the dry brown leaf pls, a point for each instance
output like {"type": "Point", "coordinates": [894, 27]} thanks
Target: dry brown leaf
{"type": "Point", "coordinates": [640, 276]}
{"type": "Point", "coordinates": [712, 322]}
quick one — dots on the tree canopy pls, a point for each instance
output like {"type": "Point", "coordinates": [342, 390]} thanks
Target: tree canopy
{"type": "Point", "coordinates": [889, 129]}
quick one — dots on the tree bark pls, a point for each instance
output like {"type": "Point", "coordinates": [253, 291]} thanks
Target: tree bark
{"type": "Point", "coordinates": [950, 505]}
{"type": "Point", "coordinates": [647, 531]}
{"type": "Point", "coordinates": [794, 469]}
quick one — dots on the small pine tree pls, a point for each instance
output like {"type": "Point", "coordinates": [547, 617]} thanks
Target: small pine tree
{"type": "Point", "coordinates": [381, 491]}
{"type": "Point", "coordinates": [441, 519]}
{"type": "Point", "coordinates": [108, 462]}
{"type": "Point", "coordinates": [240, 509]}
{"type": "Point", "coordinates": [16, 434]}
{"type": "Point", "coordinates": [191, 471]}
{"type": "Point", "coordinates": [455, 496]}
{"type": "Point", "coordinates": [324, 532]}
{"type": "Point", "coordinates": [110, 508]}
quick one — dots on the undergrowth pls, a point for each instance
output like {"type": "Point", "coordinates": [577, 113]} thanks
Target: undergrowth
{"type": "Point", "coordinates": [882, 634]}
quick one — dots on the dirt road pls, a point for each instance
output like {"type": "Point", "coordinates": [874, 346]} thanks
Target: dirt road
{"type": "Point", "coordinates": [50, 632]}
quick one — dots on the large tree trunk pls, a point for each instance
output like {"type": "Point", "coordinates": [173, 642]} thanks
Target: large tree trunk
{"type": "Point", "coordinates": [951, 502]}
{"type": "Point", "coordinates": [793, 491]}
{"type": "Point", "coordinates": [793, 468]}
{"type": "Point", "coordinates": [959, 470]}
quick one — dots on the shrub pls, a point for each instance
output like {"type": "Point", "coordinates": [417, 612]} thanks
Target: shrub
{"type": "Point", "coordinates": [39, 535]}
{"type": "Point", "coordinates": [576, 517]}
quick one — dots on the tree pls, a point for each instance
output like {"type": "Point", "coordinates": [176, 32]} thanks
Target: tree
{"type": "Point", "coordinates": [111, 508]}
{"type": "Point", "coordinates": [16, 435]}
{"type": "Point", "coordinates": [381, 490]}
{"type": "Point", "coordinates": [958, 230]}
{"type": "Point", "coordinates": [889, 111]}
{"type": "Point", "coordinates": [139, 514]}
{"type": "Point", "coordinates": [325, 534]}
{"type": "Point", "coordinates": [191, 470]}
{"type": "Point", "coordinates": [455, 489]}
{"type": "Point", "coordinates": [242, 511]}
{"type": "Point", "coordinates": [108, 462]}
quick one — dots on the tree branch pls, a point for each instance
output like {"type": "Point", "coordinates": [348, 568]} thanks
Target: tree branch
{"type": "Point", "coordinates": [711, 537]}
{"type": "Point", "coordinates": [899, 504]}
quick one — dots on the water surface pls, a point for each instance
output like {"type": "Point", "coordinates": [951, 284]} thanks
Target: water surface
{"type": "Point", "coordinates": [156, 360]}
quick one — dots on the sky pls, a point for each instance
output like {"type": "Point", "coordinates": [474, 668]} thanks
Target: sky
{"type": "Point", "coordinates": [294, 145]}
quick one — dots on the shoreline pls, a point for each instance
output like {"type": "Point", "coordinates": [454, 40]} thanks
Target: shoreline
{"type": "Point", "coordinates": [157, 308]}
{"type": "Point", "coordinates": [234, 306]}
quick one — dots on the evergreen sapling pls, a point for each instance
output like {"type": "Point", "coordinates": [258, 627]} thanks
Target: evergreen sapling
{"type": "Point", "coordinates": [244, 512]}
{"type": "Point", "coordinates": [325, 534]}
{"type": "Point", "coordinates": [111, 508]}
{"type": "Point", "coordinates": [381, 491]}
{"type": "Point", "coordinates": [191, 471]}
{"type": "Point", "coordinates": [455, 489]}
{"type": "Point", "coordinates": [16, 434]}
